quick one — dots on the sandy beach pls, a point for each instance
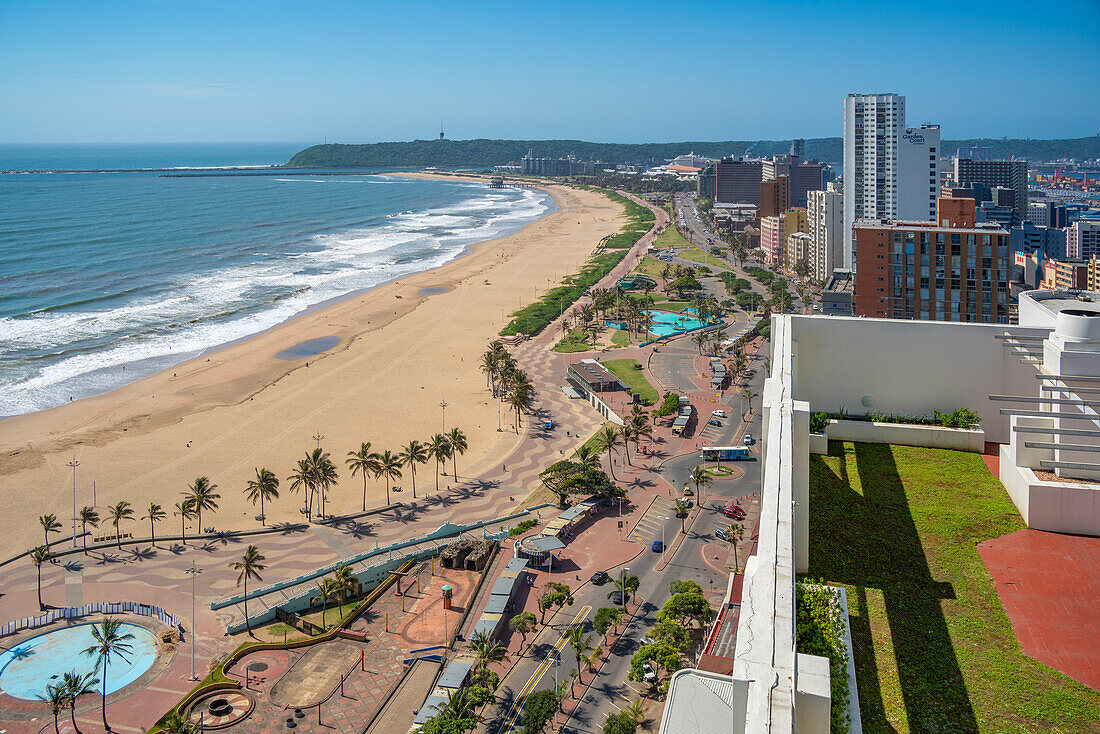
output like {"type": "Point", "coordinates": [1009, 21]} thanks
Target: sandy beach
{"type": "Point", "coordinates": [225, 413]}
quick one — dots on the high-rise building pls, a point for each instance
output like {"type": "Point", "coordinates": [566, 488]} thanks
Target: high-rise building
{"type": "Point", "coordinates": [803, 177]}
{"type": "Point", "coordinates": [773, 238]}
{"type": "Point", "coordinates": [953, 269]}
{"type": "Point", "coordinates": [798, 148]}
{"type": "Point", "coordinates": [798, 249]}
{"type": "Point", "coordinates": [1038, 213]}
{"type": "Point", "coordinates": [1083, 239]}
{"type": "Point", "coordinates": [890, 171]}
{"type": "Point", "coordinates": [708, 183]}
{"type": "Point", "coordinates": [1006, 174]}
{"type": "Point", "coordinates": [774, 196]}
{"type": "Point", "coordinates": [737, 181]}
{"type": "Point", "coordinates": [825, 221]}
{"type": "Point", "coordinates": [1029, 239]}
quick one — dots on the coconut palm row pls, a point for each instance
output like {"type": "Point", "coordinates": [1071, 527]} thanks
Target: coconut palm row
{"type": "Point", "coordinates": [64, 694]}
{"type": "Point", "coordinates": [507, 381]}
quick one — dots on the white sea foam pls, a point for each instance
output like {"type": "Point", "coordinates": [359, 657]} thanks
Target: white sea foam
{"type": "Point", "coordinates": [199, 312]}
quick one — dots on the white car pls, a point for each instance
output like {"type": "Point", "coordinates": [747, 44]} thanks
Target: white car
{"type": "Point", "coordinates": [748, 439]}
{"type": "Point", "coordinates": [718, 413]}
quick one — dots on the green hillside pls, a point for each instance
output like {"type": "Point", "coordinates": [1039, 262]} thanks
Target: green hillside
{"type": "Point", "coordinates": [481, 152]}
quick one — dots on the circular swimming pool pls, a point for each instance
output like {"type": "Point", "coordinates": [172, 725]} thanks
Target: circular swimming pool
{"type": "Point", "coordinates": [27, 668]}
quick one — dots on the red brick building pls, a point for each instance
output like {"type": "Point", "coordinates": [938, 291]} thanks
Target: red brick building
{"type": "Point", "coordinates": [952, 269]}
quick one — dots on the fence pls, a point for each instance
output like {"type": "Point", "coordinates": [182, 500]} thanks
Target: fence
{"type": "Point", "coordinates": [54, 615]}
{"type": "Point", "coordinates": [297, 622]}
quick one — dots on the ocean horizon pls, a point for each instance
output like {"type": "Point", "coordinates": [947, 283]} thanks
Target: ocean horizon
{"type": "Point", "coordinates": [106, 278]}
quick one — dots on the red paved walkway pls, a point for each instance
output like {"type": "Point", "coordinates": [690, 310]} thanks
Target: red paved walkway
{"type": "Point", "coordinates": [1050, 586]}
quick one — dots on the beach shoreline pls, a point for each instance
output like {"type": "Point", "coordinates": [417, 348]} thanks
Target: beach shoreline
{"type": "Point", "coordinates": [147, 440]}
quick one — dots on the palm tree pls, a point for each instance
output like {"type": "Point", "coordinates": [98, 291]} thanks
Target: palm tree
{"type": "Point", "coordinates": [87, 516]}
{"type": "Point", "coordinates": [624, 585]}
{"type": "Point", "coordinates": [734, 533]}
{"type": "Point", "coordinates": [634, 710]}
{"type": "Point", "coordinates": [154, 514]}
{"type": "Point", "coordinates": [57, 697]}
{"type": "Point", "coordinates": [580, 642]}
{"type": "Point", "coordinates": [118, 513]}
{"type": "Point", "coordinates": [344, 580]}
{"type": "Point", "coordinates": [457, 708]}
{"type": "Point", "coordinates": [326, 588]}
{"type": "Point", "coordinates": [457, 441]}
{"type": "Point", "coordinates": [701, 479]}
{"type": "Point", "coordinates": [389, 466]}
{"type": "Point", "coordinates": [364, 461]}
{"type": "Point", "coordinates": [587, 456]}
{"type": "Point", "coordinates": [324, 474]}
{"type": "Point", "coordinates": [303, 477]}
{"type": "Point", "coordinates": [440, 450]}
{"type": "Point", "coordinates": [204, 497]}
{"type": "Point", "coordinates": [49, 525]}
{"type": "Point", "coordinates": [264, 486]}
{"type": "Point", "coordinates": [488, 649]}
{"type": "Point", "coordinates": [185, 508]}
{"type": "Point", "coordinates": [176, 723]}
{"type": "Point", "coordinates": [109, 640]}
{"type": "Point", "coordinates": [626, 432]}
{"type": "Point", "coordinates": [249, 566]}
{"type": "Point", "coordinates": [40, 555]}
{"type": "Point", "coordinates": [608, 439]}
{"type": "Point", "coordinates": [77, 685]}
{"type": "Point", "coordinates": [748, 395]}
{"type": "Point", "coordinates": [412, 454]}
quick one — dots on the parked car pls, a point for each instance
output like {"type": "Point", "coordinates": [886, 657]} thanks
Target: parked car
{"type": "Point", "coordinates": [689, 492]}
{"type": "Point", "coordinates": [650, 674]}
{"type": "Point", "coordinates": [617, 597]}
{"type": "Point", "coordinates": [658, 546]}
{"type": "Point", "coordinates": [714, 422]}
{"type": "Point", "coordinates": [748, 439]}
{"type": "Point", "coordinates": [600, 578]}
{"type": "Point", "coordinates": [648, 640]}
{"type": "Point", "coordinates": [734, 511]}
{"type": "Point", "coordinates": [721, 534]}
{"type": "Point", "coordinates": [718, 413]}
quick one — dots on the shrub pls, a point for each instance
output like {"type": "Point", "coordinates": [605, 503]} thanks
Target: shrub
{"type": "Point", "coordinates": [820, 631]}
{"type": "Point", "coordinates": [818, 421]}
{"type": "Point", "coordinates": [670, 405]}
{"type": "Point", "coordinates": [522, 528]}
{"type": "Point", "coordinates": [959, 418]}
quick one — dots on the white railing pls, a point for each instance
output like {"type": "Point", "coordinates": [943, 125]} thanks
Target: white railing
{"type": "Point", "coordinates": [55, 615]}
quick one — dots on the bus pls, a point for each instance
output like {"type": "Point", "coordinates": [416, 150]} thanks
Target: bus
{"type": "Point", "coordinates": [726, 453]}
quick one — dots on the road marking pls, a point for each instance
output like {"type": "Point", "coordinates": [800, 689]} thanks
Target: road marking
{"type": "Point", "coordinates": [529, 687]}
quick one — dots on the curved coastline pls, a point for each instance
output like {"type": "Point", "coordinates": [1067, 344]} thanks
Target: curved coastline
{"type": "Point", "coordinates": [237, 407]}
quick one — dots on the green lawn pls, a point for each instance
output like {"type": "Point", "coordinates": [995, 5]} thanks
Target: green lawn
{"type": "Point", "coordinates": [650, 266]}
{"type": "Point", "coordinates": [574, 341]}
{"type": "Point", "coordinates": [620, 338]}
{"type": "Point", "coordinates": [698, 256]}
{"type": "Point", "coordinates": [934, 650]}
{"type": "Point", "coordinates": [626, 370]}
{"type": "Point", "coordinates": [671, 237]}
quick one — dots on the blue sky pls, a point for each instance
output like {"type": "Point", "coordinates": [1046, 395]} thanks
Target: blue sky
{"type": "Point", "coordinates": [168, 70]}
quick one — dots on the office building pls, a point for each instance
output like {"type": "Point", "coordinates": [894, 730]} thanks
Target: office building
{"type": "Point", "coordinates": [1038, 213]}
{"type": "Point", "coordinates": [837, 295]}
{"type": "Point", "coordinates": [989, 212]}
{"type": "Point", "coordinates": [991, 174]}
{"type": "Point", "coordinates": [774, 196]}
{"type": "Point", "coordinates": [825, 225]}
{"type": "Point", "coordinates": [890, 171]}
{"type": "Point", "coordinates": [708, 182]}
{"type": "Point", "coordinates": [803, 177]}
{"type": "Point", "coordinates": [953, 269]}
{"type": "Point", "coordinates": [1029, 239]}
{"type": "Point", "coordinates": [737, 181]}
{"type": "Point", "coordinates": [1083, 239]}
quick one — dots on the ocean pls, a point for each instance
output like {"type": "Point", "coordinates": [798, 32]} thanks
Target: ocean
{"type": "Point", "coordinates": [109, 277]}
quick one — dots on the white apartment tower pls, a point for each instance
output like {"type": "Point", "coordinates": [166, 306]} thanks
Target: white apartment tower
{"type": "Point", "coordinates": [1083, 240]}
{"type": "Point", "coordinates": [825, 219]}
{"type": "Point", "coordinates": [890, 172]}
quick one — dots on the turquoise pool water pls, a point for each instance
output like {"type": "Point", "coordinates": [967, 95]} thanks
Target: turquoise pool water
{"type": "Point", "coordinates": [27, 668]}
{"type": "Point", "coordinates": [665, 323]}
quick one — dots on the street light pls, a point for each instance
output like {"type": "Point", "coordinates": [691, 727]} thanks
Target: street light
{"type": "Point", "coordinates": [74, 464]}
{"type": "Point", "coordinates": [318, 437]}
{"type": "Point", "coordinates": [194, 572]}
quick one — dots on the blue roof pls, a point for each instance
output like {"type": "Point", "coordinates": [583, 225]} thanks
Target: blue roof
{"type": "Point", "coordinates": [454, 674]}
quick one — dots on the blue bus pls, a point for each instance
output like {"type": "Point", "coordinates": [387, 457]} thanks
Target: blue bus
{"type": "Point", "coordinates": [726, 453]}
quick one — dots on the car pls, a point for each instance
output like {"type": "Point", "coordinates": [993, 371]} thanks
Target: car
{"type": "Point", "coordinates": [748, 439]}
{"type": "Point", "coordinates": [658, 546]}
{"type": "Point", "coordinates": [721, 534]}
{"type": "Point", "coordinates": [714, 422]}
{"type": "Point", "coordinates": [600, 578]}
{"type": "Point", "coordinates": [733, 511]}
{"type": "Point", "coordinates": [617, 597]}
{"type": "Point", "coordinates": [650, 674]}
{"type": "Point", "coordinates": [689, 492]}
{"type": "Point", "coordinates": [718, 413]}
{"type": "Point", "coordinates": [647, 640]}
{"type": "Point", "coordinates": [686, 503]}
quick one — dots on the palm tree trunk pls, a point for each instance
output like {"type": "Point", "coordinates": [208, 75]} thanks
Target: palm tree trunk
{"type": "Point", "coordinates": [247, 625]}
{"type": "Point", "coordinates": [118, 535]}
{"type": "Point", "coordinates": [454, 465]}
{"type": "Point", "coordinates": [364, 491]}
{"type": "Point", "coordinates": [611, 462]}
{"type": "Point", "coordinates": [56, 728]}
{"type": "Point", "coordinates": [437, 475]}
{"type": "Point", "coordinates": [263, 517]}
{"type": "Point", "coordinates": [183, 527]}
{"type": "Point", "coordinates": [412, 470]}
{"type": "Point", "coordinates": [72, 716]}
{"type": "Point", "coordinates": [103, 702]}
{"type": "Point", "coordinates": [152, 533]}
{"type": "Point", "coordinates": [84, 535]}
{"type": "Point", "coordinates": [40, 607]}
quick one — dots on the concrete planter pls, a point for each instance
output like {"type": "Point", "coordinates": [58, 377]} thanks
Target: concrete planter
{"type": "Point", "coordinates": [819, 443]}
{"type": "Point", "coordinates": [934, 437]}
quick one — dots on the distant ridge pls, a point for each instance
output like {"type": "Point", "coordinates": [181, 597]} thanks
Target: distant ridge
{"type": "Point", "coordinates": [482, 152]}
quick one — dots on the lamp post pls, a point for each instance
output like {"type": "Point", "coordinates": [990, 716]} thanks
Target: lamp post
{"type": "Point", "coordinates": [318, 437]}
{"type": "Point", "coordinates": [194, 572]}
{"type": "Point", "coordinates": [74, 464]}
{"type": "Point", "coordinates": [443, 404]}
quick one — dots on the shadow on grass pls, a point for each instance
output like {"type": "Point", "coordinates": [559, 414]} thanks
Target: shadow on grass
{"type": "Point", "coordinates": [870, 541]}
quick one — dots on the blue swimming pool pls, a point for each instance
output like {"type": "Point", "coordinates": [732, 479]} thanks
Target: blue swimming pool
{"type": "Point", "coordinates": [27, 668]}
{"type": "Point", "coordinates": [665, 323]}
